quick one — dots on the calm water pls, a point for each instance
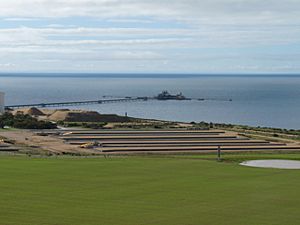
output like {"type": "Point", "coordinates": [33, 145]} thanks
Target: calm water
{"type": "Point", "coordinates": [260, 101]}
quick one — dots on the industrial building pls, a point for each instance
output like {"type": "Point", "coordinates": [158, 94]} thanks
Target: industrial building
{"type": "Point", "coordinates": [2, 102]}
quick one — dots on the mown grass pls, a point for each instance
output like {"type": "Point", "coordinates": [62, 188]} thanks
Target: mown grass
{"type": "Point", "coordinates": [146, 191]}
{"type": "Point", "coordinates": [238, 157]}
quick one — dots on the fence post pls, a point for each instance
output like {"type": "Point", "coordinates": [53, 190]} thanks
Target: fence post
{"type": "Point", "coordinates": [219, 153]}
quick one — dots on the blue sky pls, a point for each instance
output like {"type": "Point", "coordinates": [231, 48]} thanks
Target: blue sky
{"type": "Point", "coordinates": [143, 36]}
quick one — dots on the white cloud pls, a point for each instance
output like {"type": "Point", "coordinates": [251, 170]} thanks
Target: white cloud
{"type": "Point", "coordinates": [6, 65]}
{"type": "Point", "coordinates": [130, 21]}
{"type": "Point", "coordinates": [19, 19]}
{"type": "Point", "coordinates": [204, 11]}
{"type": "Point", "coordinates": [207, 37]}
{"type": "Point", "coordinates": [191, 29]}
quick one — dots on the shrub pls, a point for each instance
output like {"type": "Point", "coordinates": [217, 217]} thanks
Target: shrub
{"type": "Point", "coordinates": [94, 125]}
{"type": "Point", "coordinates": [24, 122]}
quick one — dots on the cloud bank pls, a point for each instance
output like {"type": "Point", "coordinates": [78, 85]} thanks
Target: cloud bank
{"type": "Point", "coordinates": [193, 36]}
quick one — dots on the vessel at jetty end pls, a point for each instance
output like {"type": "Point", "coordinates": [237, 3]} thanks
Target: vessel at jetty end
{"type": "Point", "coordinates": [165, 95]}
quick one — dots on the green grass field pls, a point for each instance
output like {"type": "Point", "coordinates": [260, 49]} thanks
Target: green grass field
{"type": "Point", "coordinates": [150, 190]}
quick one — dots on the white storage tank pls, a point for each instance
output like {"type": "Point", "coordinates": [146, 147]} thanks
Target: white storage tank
{"type": "Point", "coordinates": [1, 102]}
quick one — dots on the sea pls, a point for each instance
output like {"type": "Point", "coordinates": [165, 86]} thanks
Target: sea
{"type": "Point", "coordinates": [256, 100]}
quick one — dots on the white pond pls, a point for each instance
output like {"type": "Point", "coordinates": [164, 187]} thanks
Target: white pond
{"type": "Point", "coordinates": [271, 163]}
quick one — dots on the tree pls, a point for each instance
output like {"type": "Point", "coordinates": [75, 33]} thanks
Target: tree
{"type": "Point", "coordinates": [24, 122]}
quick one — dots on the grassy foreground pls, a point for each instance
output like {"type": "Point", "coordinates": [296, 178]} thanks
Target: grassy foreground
{"type": "Point", "coordinates": [140, 191]}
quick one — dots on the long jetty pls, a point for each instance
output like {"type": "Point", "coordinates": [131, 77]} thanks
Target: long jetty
{"type": "Point", "coordinates": [163, 97]}
{"type": "Point", "coordinates": [58, 104]}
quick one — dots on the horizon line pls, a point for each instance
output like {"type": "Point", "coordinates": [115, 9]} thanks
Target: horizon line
{"type": "Point", "coordinates": [150, 73]}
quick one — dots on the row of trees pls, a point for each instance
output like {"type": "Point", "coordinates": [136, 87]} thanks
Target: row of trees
{"type": "Point", "coordinates": [22, 121]}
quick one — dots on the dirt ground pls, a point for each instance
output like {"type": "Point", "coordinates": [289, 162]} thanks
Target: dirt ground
{"type": "Point", "coordinates": [28, 140]}
{"type": "Point", "coordinates": [47, 143]}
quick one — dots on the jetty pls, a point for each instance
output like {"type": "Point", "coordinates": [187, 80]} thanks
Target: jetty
{"type": "Point", "coordinates": [74, 103]}
{"type": "Point", "coordinates": [163, 96]}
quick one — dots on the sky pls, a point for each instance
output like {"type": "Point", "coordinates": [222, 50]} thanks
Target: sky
{"type": "Point", "coordinates": [150, 36]}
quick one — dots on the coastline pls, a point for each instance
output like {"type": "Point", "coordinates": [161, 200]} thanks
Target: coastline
{"type": "Point", "coordinates": [262, 101]}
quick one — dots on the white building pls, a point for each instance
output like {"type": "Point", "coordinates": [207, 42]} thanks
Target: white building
{"type": "Point", "coordinates": [1, 102]}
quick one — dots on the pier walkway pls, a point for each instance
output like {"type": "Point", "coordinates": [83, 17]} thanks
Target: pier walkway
{"type": "Point", "coordinates": [58, 104]}
{"type": "Point", "coordinates": [161, 97]}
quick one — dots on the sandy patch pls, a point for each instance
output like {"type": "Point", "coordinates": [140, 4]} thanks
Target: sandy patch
{"type": "Point", "coordinates": [48, 143]}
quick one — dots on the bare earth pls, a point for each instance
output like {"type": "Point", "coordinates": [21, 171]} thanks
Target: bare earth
{"type": "Point", "coordinates": [47, 143]}
{"type": "Point", "coordinates": [110, 142]}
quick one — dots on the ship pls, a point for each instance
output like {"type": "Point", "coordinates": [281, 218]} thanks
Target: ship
{"type": "Point", "coordinates": [165, 95]}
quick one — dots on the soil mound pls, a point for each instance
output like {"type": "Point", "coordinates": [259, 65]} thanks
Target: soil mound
{"type": "Point", "coordinates": [86, 116]}
{"type": "Point", "coordinates": [30, 111]}
{"type": "Point", "coordinates": [34, 112]}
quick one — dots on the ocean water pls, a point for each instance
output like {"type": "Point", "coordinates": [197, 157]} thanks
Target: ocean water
{"type": "Point", "coordinates": [272, 101]}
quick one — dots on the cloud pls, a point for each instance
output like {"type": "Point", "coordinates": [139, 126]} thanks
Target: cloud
{"type": "Point", "coordinates": [192, 11]}
{"type": "Point", "coordinates": [19, 19]}
{"type": "Point", "coordinates": [6, 65]}
{"type": "Point", "coordinates": [207, 37]}
{"type": "Point", "coordinates": [130, 21]}
{"type": "Point", "coordinates": [183, 35]}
